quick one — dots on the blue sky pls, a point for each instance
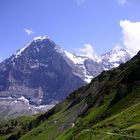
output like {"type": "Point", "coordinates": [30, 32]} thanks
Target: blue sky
{"type": "Point", "coordinates": [70, 23]}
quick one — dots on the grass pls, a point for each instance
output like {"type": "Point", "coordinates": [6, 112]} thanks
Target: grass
{"type": "Point", "coordinates": [122, 122]}
{"type": "Point", "coordinates": [130, 99]}
{"type": "Point", "coordinates": [124, 119]}
{"type": "Point", "coordinates": [55, 125]}
{"type": "Point", "coordinates": [15, 126]}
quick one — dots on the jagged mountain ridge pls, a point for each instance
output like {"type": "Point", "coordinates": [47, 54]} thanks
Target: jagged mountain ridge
{"type": "Point", "coordinates": [115, 57]}
{"type": "Point", "coordinates": [93, 67]}
{"type": "Point", "coordinates": [44, 73]}
{"type": "Point", "coordinates": [107, 108]}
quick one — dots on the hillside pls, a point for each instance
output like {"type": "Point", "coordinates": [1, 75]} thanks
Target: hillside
{"type": "Point", "coordinates": [108, 108]}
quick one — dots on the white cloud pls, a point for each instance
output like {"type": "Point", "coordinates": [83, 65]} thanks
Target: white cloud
{"type": "Point", "coordinates": [28, 31]}
{"type": "Point", "coordinates": [131, 35]}
{"type": "Point", "coordinates": [79, 2]}
{"type": "Point", "coordinates": [88, 50]}
{"type": "Point", "coordinates": [122, 2]}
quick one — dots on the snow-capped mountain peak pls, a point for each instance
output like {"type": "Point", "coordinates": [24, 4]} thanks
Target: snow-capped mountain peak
{"type": "Point", "coordinates": [115, 57]}
{"type": "Point", "coordinates": [40, 38]}
{"type": "Point", "coordinates": [88, 66]}
{"type": "Point", "coordinates": [117, 48]}
{"type": "Point", "coordinates": [76, 59]}
{"type": "Point", "coordinates": [19, 52]}
{"type": "Point", "coordinates": [116, 54]}
{"type": "Point", "coordinates": [38, 43]}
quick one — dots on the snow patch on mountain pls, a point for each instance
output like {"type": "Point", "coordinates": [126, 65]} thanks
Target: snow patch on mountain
{"type": "Point", "coordinates": [23, 99]}
{"type": "Point", "coordinates": [88, 78]}
{"type": "Point", "coordinates": [115, 65]}
{"type": "Point", "coordinates": [75, 58]}
{"type": "Point", "coordinates": [105, 69]}
{"type": "Point", "coordinates": [18, 53]}
{"type": "Point", "coordinates": [79, 60]}
{"type": "Point", "coordinates": [21, 105]}
{"type": "Point", "coordinates": [40, 38]}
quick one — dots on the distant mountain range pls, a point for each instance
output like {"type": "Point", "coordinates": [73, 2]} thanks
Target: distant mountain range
{"type": "Point", "coordinates": [43, 73]}
{"type": "Point", "coordinates": [93, 67]}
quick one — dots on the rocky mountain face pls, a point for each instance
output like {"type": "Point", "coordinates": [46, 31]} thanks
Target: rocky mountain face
{"type": "Point", "coordinates": [43, 73]}
{"type": "Point", "coordinates": [93, 67]}
{"type": "Point", "coordinates": [107, 108]}
{"type": "Point", "coordinates": [115, 57]}
{"type": "Point", "coordinates": [40, 72]}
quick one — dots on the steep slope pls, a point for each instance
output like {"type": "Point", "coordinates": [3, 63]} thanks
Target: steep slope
{"type": "Point", "coordinates": [40, 72]}
{"type": "Point", "coordinates": [107, 108]}
{"type": "Point", "coordinates": [90, 68]}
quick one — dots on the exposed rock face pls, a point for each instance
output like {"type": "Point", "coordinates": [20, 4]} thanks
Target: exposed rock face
{"type": "Point", "coordinates": [40, 72]}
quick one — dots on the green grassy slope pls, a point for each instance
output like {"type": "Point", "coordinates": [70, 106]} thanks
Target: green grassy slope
{"type": "Point", "coordinates": [108, 108]}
